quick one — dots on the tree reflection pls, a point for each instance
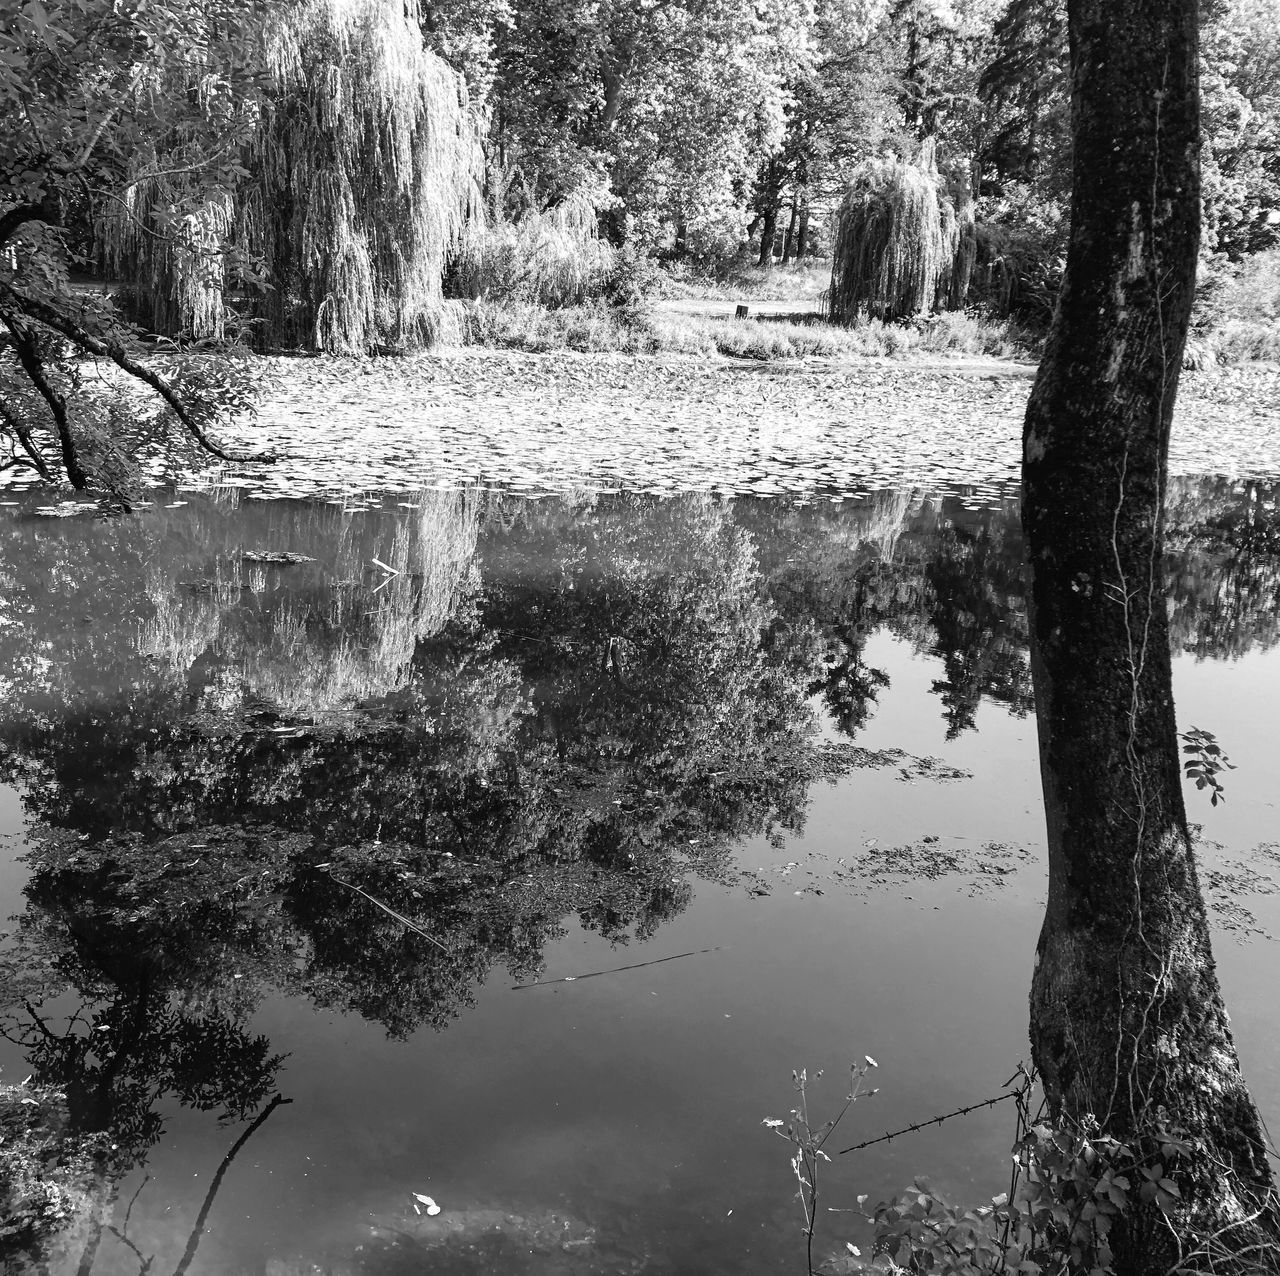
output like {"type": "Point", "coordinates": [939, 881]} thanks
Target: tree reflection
{"type": "Point", "coordinates": [376, 776]}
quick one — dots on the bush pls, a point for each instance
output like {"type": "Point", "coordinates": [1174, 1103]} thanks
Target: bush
{"type": "Point", "coordinates": [1237, 311]}
{"type": "Point", "coordinates": [631, 284]}
{"type": "Point", "coordinates": [1016, 274]}
{"type": "Point", "coordinates": [553, 259]}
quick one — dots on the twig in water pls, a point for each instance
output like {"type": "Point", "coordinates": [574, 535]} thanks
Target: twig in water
{"type": "Point", "coordinates": [198, 1230]}
{"type": "Point", "coordinates": [613, 970]}
{"type": "Point", "coordinates": [391, 912]}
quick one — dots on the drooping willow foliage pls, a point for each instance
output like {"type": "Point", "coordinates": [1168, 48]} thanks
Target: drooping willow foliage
{"type": "Point", "coordinates": [553, 258]}
{"type": "Point", "coordinates": [897, 237]}
{"type": "Point", "coordinates": [362, 166]}
{"type": "Point", "coordinates": [173, 279]}
{"type": "Point", "coordinates": [364, 171]}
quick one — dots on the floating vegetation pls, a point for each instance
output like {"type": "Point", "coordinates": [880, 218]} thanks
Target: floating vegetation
{"type": "Point", "coordinates": [1228, 883]}
{"type": "Point", "coordinates": [567, 423]}
{"type": "Point", "coordinates": [977, 870]}
{"type": "Point", "coordinates": [834, 761]}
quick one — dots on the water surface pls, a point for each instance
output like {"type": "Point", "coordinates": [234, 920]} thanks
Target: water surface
{"type": "Point", "coordinates": [526, 846]}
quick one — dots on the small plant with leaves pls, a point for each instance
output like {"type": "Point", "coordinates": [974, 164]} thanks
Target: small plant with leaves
{"type": "Point", "coordinates": [808, 1141]}
{"type": "Point", "coordinates": [1206, 763]}
{"type": "Point", "coordinates": [1068, 1187]}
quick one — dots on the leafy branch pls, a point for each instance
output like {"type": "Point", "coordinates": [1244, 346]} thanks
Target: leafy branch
{"type": "Point", "coordinates": [1206, 763]}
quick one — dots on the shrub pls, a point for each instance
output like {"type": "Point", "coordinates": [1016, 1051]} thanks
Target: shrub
{"type": "Point", "coordinates": [554, 258]}
{"type": "Point", "coordinates": [1237, 313]}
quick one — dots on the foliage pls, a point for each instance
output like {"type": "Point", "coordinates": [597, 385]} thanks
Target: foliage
{"type": "Point", "coordinates": [315, 157]}
{"type": "Point", "coordinates": [84, 89]}
{"type": "Point", "coordinates": [46, 1172]}
{"type": "Point", "coordinates": [896, 244]}
{"type": "Point", "coordinates": [1237, 314]}
{"type": "Point", "coordinates": [362, 176]}
{"type": "Point", "coordinates": [664, 101]}
{"type": "Point", "coordinates": [1069, 1190]}
{"type": "Point", "coordinates": [809, 1140]}
{"type": "Point", "coordinates": [1206, 763]}
{"type": "Point", "coordinates": [1240, 87]}
{"type": "Point", "coordinates": [550, 259]}
{"type": "Point", "coordinates": [352, 188]}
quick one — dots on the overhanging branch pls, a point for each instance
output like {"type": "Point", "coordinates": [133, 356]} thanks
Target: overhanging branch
{"type": "Point", "coordinates": [115, 351]}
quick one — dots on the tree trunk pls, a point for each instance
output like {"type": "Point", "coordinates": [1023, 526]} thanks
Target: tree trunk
{"type": "Point", "coordinates": [1127, 1019]}
{"type": "Point", "coordinates": [613, 77]}
{"type": "Point", "coordinates": [789, 239]}
{"type": "Point", "coordinates": [768, 233]}
{"type": "Point", "coordinates": [802, 235]}
{"type": "Point", "coordinates": [966, 254]}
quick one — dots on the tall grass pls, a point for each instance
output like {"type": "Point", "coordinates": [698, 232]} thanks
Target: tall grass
{"type": "Point", "coordinates": [741, 280]}
{"type": "Point", "coordinates": [599, 328]}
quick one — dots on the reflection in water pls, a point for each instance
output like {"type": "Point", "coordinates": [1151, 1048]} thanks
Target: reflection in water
{"type": "Point", "coordinates": [368, 776]}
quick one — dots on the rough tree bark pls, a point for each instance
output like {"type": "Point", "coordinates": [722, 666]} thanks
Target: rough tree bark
{"type": "Point", "coordinates": [768, 233]}
{"type": "Point", "coordinates": [1127, 1019]}
{"type": "Point", "coordinates": [789, 237]}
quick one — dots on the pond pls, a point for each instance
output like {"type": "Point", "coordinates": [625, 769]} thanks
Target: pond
{"type": "Point", "coordinates": [523, 847]}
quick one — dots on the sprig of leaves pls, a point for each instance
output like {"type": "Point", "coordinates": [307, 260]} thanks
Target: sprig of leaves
{"type": "Point", "coordinates": [1206, 763]}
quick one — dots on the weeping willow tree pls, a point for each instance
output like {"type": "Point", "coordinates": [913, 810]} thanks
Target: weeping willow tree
{"type": "Point", "coordinates": [365, 168]}
{"type": "Point", "coordinates": [361, 169]}
{"type": "Point", "coordinates": [897, 239]}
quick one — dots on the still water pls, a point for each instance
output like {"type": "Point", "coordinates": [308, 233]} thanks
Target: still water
{"type": "Point", "coordinates": [522, 848]}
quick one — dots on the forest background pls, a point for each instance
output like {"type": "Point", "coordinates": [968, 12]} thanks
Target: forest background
{"type": "Point", "coordinates": [357, 176]}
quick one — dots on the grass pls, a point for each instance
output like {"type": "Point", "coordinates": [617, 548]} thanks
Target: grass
{"type": "Point", "coordinates": [1236, 321]}
{"type": "Point", "coordinates": [742, 281]}
{"type": "Point", "coordinates": [598, 328]}
{"type": "Point", "coordinates": [1237, 313]}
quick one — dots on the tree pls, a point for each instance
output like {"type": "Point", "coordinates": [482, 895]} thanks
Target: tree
{"type": "Point", "coordinates": [316, 158]}
{"type": "Point", "coordinates": [85, 85]}
{"type": "Point", "coordinates": [1128, 1023]}
{"type": "Point", "coordinates": [839, 110]}
{"type": "Point", "coordinates": [1241, 89]}
{"type": "Point", "coordinates": [671, 101]}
